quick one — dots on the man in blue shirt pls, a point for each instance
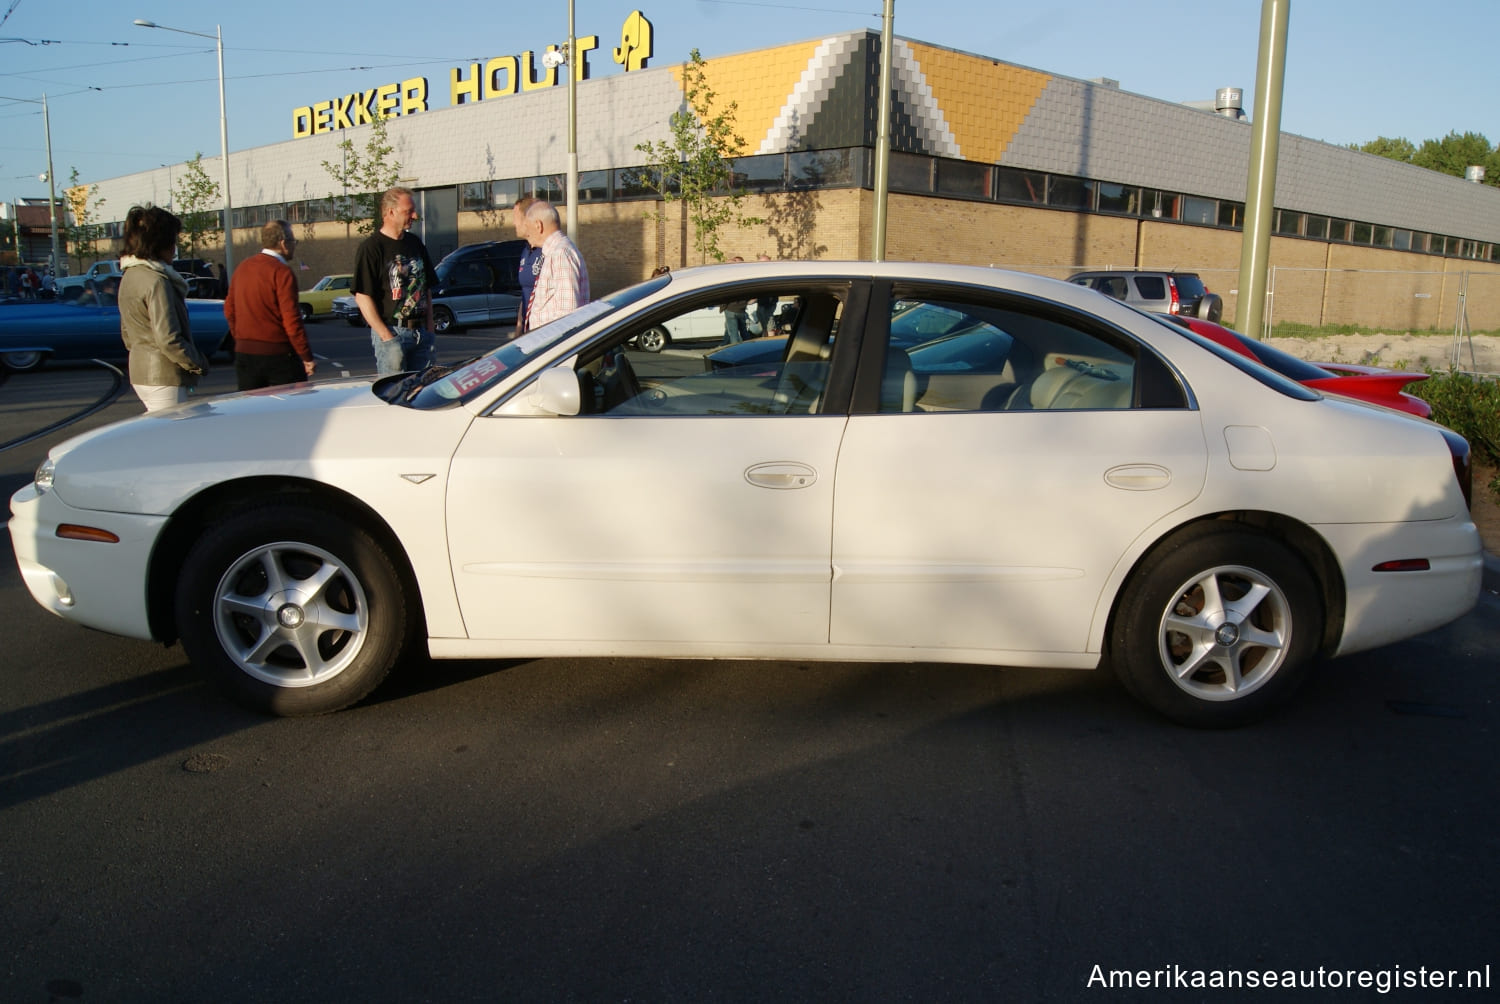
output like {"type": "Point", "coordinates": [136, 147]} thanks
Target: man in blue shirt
{"type": "Point", "coordinates": [531, 260]}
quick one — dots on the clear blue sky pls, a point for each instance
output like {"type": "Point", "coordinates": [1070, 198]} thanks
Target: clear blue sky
{"type": "Point", "coordinates": [126, 99]}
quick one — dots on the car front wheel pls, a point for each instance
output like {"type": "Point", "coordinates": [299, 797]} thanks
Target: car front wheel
{"type": "Point", "coordinates": [1217, 627]}
{"type": "Point", "coordinates": [442, 320]}
{"type": "Point", "coordinates": [653, 340]}
{"type": "Point", "coordinates": [290, 612]}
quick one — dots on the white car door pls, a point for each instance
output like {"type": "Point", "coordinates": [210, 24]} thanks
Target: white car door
{"type": "Point", "coordinates": [994, 530]}
{"type": "Point", "coordinates": [695, 510]}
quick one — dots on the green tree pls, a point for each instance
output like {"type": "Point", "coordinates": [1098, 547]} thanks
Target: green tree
{"type": "Point", "coordinates": [362, 178]}
{"type": "Point", "coordinates": [193, 196]}
{"type": "Point", "coordinates": [1382, 146]}
{"type": "Point", "coordinates": [85, 231]}
{"type": "Point", "coordinates": [1450, 155]}
{"type": "Point", "coordinates": [1454, 152]}
{"type": "Point", "coordinates": [694, 166]}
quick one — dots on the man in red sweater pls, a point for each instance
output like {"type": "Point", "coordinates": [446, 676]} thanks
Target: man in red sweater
{"type": "Point", "coordinates": [270, 343]}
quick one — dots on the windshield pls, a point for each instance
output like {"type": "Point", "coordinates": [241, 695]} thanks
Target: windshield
{"type": "Point", "coordinates": [438, 386]}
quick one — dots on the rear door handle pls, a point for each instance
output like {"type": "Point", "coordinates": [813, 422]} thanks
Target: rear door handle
{"type": "Point", "coordinates": [1138, 477]}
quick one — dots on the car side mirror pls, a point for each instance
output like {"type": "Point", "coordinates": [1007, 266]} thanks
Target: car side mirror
{"type": "Point", "coordinates": [556, 391]}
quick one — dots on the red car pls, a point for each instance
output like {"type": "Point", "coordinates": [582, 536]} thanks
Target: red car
{"type": "Point", "coordinates": [1365, 383]}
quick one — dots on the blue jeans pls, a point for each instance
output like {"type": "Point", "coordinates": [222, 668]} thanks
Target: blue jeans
{"type": "Point", "coordinates": [735, 327]}
{"type": "Point", "coordinates": [412, 349]}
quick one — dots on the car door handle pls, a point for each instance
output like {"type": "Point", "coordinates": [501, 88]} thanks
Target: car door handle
{"type": "Point", "coordinates": [782, 476]}
{"type": "Point", "coordinates": [1138, 477]}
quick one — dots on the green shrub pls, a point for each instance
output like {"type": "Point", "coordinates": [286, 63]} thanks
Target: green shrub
{"type": "Point", "coordinates": [1468, 405]}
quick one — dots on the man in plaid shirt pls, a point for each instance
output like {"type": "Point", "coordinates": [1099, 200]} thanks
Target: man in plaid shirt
{"type": "Point", "coordinates": [562, 286]}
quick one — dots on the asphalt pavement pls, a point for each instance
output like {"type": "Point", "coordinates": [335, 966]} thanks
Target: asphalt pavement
{"type": "Point", "coordinates": [648, 830]}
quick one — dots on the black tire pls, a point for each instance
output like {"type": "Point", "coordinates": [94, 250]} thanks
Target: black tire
{"type": "Point", "coordinates": [22, 362]}
{"type": "Point", "coordinates": [442, 320]}
{"type": "Point", "coordinates": [653, 340]}
{"type": "Point", "coordinates": [1217, 627]}
{"type": "Point", "coordinates": [307, 312]}
{"type": "Point", "coordinates": [293, 613]}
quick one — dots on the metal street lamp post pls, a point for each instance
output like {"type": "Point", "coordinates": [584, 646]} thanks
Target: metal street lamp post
{"type": "Point", "coordinates": [51, 185]}
{"type": "Point", "coordinates": [567, 57]}
{"type": "Point", "coordinates": [218, 38]}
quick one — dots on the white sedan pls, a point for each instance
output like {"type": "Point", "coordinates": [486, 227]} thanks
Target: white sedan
{"type": "Point", "coordinates": [1064, 482]}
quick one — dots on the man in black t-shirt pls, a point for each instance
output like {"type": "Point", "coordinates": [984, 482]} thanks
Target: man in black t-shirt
{"type": "Point", "coordinates": [392, 286]}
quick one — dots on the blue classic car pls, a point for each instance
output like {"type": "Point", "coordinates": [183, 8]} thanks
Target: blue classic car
{"type": "Point", "coordinates": [33, 333]}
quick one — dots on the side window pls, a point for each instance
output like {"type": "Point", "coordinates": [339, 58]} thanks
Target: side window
{"type": "Point", "coordinates": [340, 283]}
{"type": "Point", "coordinates": [1151, 287]}
{"type": "Point", "coordinates": [507, 275]}
{"type": "Point", "coordinates": [1113, 285]}
{"type": "Point", "coordinates": [993, 358]}
{"type": "Point", "coordinates": [690, 362]}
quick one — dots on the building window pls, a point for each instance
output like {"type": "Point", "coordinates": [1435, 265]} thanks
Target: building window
{"type": "Point", "coordinates": [1231, 214]}
{"type": "Point", "coordinates": [1027, 187]}
{"type": "Point", "coordinates": [1159, 205]}
{"type": "Point", "coordinates": [552, 187]}
{"type": "Point", "coordinates": [964, 179]}
{"type": "Point", "coordinates": [1069, 193]}
{"type": "Point", "coordinates": [593, 186]}
{"type": "Point", "coordinates": [827, 168]}
{"type": "Point", "coordinates": [764, 173]}
{"type": "Point", "coordinates": [1115, 198]}
{"type": "Point", "coordinates": [1288, 223]}
{"type": "Point", "coordinates": [474, 196]}
{"type": "Point", "coordinates": [910, 172]}
{"type": "Point", "coordinates": [1317, 226]}
{"type": "Point", "coordinates": [1360, 233]}
{"type": "Point", "coordinates": [1196, 210]}
{"type": "Point", "coordinates": [1381, 237]}
{"type": "Point", "coordinates": [1338, 230]}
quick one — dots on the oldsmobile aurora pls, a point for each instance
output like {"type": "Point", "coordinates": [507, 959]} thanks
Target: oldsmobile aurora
{"type": "Point", "coordinates": [1066, 483]}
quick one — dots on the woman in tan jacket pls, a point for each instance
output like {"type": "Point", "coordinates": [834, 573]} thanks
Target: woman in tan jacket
{"type": "Point", "coordinates": [164, 362]}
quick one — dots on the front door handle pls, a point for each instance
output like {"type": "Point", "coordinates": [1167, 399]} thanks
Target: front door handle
{"type": "Point", "coordinates": [781, 476]}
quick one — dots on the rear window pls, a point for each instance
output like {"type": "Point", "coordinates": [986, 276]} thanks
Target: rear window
{"type": "Point", "coordinates": [1151, 287]}
{"type": "Point", "coordinates": [1189, 287]}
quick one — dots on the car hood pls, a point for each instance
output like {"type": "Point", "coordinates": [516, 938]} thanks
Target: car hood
{"type": "Point", "coordinates": [319, 431]}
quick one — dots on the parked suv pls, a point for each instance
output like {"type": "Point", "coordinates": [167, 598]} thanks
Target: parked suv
{"type": "Point", "coordinates": [1160, 292]}
{"type": "Point", "coordinates": [478, 284]}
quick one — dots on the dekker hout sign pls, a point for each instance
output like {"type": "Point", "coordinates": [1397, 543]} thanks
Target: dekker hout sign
{"type": "Point", "coordinates": [494, 78]}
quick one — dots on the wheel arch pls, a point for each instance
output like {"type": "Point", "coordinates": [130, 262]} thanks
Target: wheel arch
{"type": "Point", "coordinates": [223, 500]}
{"type": "Point", "coordinates": [1309, 545]}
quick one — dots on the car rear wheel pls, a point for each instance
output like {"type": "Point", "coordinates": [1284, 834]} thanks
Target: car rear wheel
{"type": "Point", "coordinates": [653, 340]}
{"type": "Point", "coordinates": [307, 311]}
{"type": "Point", "coordinates": [20, 362]}
{"type": "Point", "coordinates": [442, 320]}
{"type": "Point", "coordinates": [290, 612]}
{"type": "Point", "coordinates": [1217, 627]}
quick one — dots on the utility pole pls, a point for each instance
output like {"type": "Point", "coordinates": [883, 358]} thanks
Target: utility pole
{"type": "Point", "coordinates": [1260, 185]}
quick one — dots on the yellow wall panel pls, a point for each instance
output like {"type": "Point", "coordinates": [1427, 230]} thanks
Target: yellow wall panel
{"type": "Point", "coordinates": [758, 82]}
{"type": "Point", "coordinates": [985, 102]}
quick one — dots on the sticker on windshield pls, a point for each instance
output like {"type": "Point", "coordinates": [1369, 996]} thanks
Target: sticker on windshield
{"type": "Point", "coordinates": [475, 375]}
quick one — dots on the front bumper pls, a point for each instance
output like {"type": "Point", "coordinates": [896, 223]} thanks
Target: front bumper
{"type": "Point", "coordinates": [100, 585]}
